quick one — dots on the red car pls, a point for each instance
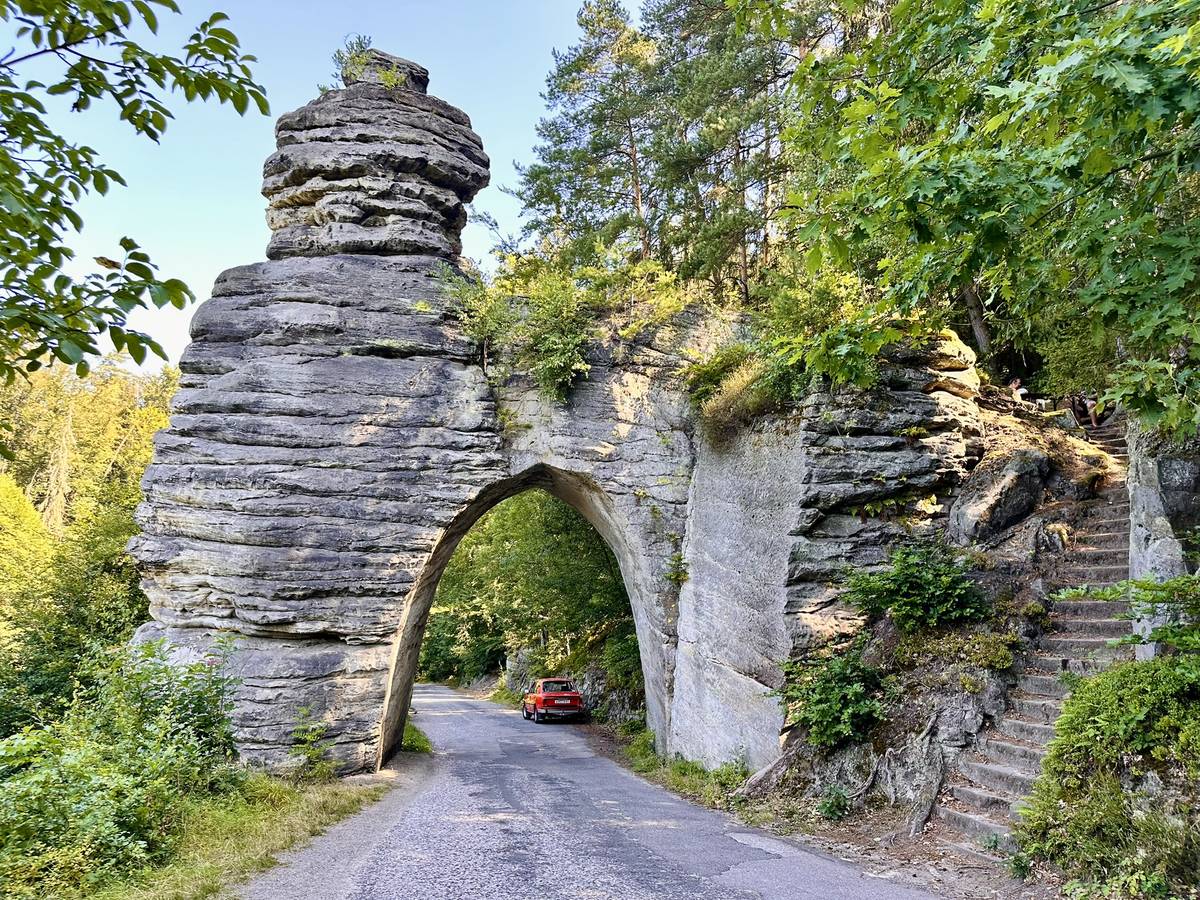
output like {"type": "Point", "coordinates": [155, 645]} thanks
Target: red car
{"type": "Point", "coordinates": [552, 698]}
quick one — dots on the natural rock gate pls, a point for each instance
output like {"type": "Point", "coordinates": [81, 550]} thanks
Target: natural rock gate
{"type": "Point", "coordinates": [334, 437]}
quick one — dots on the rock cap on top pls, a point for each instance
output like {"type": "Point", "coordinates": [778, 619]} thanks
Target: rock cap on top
{"type": "Point", "coordinates": [376, 67]}
{"type": "Point", "coordinates": [378, 167]}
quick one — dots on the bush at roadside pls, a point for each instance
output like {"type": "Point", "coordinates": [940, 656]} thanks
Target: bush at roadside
{"type": "Point", "coordinates": [835, 699]}
{"type": "Point", "coordinates": [99, 792]}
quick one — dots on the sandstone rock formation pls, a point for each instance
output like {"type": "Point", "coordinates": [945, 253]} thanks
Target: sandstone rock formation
{"type": "Point", "coordinates": [334, 437]}
{"type": "Point", "coordinates": [1003, 490]}
{"type": "Point", "coordinates": [373, 169]}
{"type": "Point", "coordinates": [1164, 497]}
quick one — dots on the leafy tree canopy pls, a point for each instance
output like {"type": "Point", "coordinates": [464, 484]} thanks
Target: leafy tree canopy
{"type": "Point", "coordinates": [1034, 162]}
{"type": "Point", "coordinates": [531, 573]}
{"type": "Point", "coordinates": [47, 311]}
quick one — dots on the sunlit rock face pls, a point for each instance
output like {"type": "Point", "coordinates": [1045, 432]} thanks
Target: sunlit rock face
{"type": "Point", "coordinates": [335, 436]}
{"type": "Point", "coordinates": [379, 167]}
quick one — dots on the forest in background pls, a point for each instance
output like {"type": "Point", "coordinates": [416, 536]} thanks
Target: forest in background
{"type": "Point", "coordinates": [532, 577]}
{"type": "Point", "coordinates": [68, 589]}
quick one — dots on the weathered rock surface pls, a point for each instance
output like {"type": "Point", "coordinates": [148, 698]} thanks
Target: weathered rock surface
{"type": "Point", "coordinates": [373, 169]}
{"type": "Point", "coordinates": [1164, 502]}
{"type": "Point", "coordinates": [1002, 491]}
{"type": "Point", "coordinates": [334, 437]}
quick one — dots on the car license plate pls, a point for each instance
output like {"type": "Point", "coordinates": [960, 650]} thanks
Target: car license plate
{"type": "Point", "coordinates": [563, 702]}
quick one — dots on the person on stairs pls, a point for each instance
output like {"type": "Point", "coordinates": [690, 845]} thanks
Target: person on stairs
{"type": "Point", "coordinates": [1084, 408]}
{"type": "Point", "coordinates": [1020, 394]}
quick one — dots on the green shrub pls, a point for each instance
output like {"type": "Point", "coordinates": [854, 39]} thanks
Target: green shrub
{"type": "Point", "coordinates": [643, 757]}
{"type": "Point", "coordinates": [506, 696]}
{"type": "Point", "coordinates": [742, 395]}
{"type": "Point", "coordinates": [712, 787]}
{"type": "Point", "coordinates": [677, 570]}
{"type": "Point", "coordinates": [310, 751]}
{"type": "Point", "coordinates": [834, 804]}
{"type": "Point", "coordinates": [228, 838]}
{"type": "Point", "coordinates": [621, 660]}
{"type": "Point", "coordinates": [100, 792]}
{"type": "Point", "coordinates": [835, 699]}
{"type": "Point", "coordinates": [924, 586]}
{"type": "Point", "coordinates": [703, 378]}
{"type": "Point", "coordinates": [85, 600]}
{"type": "Point", "coordinates": [633, 727]}
{"type": "Point", "coordinates": [1178, 601]}
{"type": "Point", "coordinates": [1134, 718]}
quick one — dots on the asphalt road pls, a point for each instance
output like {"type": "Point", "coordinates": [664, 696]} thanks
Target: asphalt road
{"type": "Point", "coordinates": [511, 810]}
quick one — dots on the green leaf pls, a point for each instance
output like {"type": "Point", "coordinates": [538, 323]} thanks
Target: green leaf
{"type": "Point", "coordinates": [68, 351]}
{"type": "Point", "coordinates": [1098, 162]}
{"type": "Point", "coordinates": [813, 259]}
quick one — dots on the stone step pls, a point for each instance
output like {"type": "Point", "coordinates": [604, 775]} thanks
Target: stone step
{"type": "Point", "coordinates": [1000, 779]}
{"type": "Point", "coordinates": [1082, 648]}
{"type": "Point", "coordinates": [1117, 539]}
{"type": "Point", "coordinates": [1109, 523]}
{"type": "Point", "coordinates": [1043, 685]}
{"type": "Point", "coordinates": [1097, 628]}
{"type": "Point", "coordinates": [1117, 510]}
{"type": "Point", "coordinates": [1095, 576]}
{"type": "Point", "coordinates": [975, 852]}
{"type": "Point", "coordinates": [1049, 663]}
{"type": "Point", "coordinates": [1037, 709]}
{"type": "Point", "coordinates": [1000, 806]}
{"type": "Point", "coordinates": [1023, 757]}
{"type": "Point", "coordinates": [1098, 556]}
{"type": "Point", "coordinates": [978, 827]}
{"type": "Point", "coordinates": [1024, 730]}
{"type": "Point", "coordinates": [1090, 609]}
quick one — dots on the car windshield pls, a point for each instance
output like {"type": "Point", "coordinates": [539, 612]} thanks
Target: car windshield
{"type": "Point", "coordinates": [553, 687]}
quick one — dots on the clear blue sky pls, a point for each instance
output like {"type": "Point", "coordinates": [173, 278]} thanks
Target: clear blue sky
{"type": "Point", "coordinates": [193, 200]}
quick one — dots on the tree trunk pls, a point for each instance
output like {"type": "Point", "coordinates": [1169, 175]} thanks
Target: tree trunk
{"type": "Point", "coordinates": [739, 168]}
{"type": "Point", "coordinates": [638, 204]}
{"type": "Point", "coordinates": [58, 479]}
{"type": "Point", "coordinates": [979, 326]}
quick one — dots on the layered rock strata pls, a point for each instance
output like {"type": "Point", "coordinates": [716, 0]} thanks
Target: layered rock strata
{"type": "Point", "coordinates": [335, 436]}
{"type": "Point", "coordinates": [330, 420]}
{"type": "Point", "coordinates": [373, 168]}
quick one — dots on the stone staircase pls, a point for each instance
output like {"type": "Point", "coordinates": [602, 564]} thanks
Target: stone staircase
{"type": "Point", "coordinates": [981, 803]}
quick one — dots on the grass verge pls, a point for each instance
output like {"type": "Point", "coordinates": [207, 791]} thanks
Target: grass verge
{"type": "Point", "coordinates": [506, 696]}
{"type": "Point", "coordinates": [711, 787]}
{"type": "Point", "coordinates": [414, 740]}
{"type": "Point", "coordinates": [231, 838]}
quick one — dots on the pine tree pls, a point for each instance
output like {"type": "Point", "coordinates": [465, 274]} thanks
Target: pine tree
{"type": "Point", "coordinates": [592, 179]}
{"type": "Point", "coordinates": [716, 140]}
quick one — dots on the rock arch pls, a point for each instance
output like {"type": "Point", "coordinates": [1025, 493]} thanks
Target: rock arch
{"type": "Point", "coordinates": [589, 499]}
{"type": "Point", "coordinates": [334, 435]}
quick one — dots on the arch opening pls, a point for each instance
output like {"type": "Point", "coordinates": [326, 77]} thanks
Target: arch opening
{"type": "Point", "coordinates": [584, 496]}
